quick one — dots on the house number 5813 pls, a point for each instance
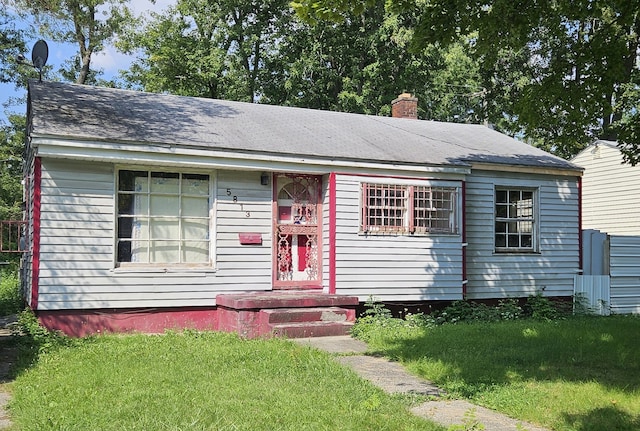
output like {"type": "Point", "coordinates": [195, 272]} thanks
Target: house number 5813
{"type": "Point", "coordinates": [235, 201]}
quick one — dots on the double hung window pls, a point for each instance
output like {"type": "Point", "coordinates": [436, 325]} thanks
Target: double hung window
{"type": "Point", "coordinates": [408, 209]}
{"type": "Point", "coordinates": [163, 218]}
{"type": "Point", "coordinates": [515, 220]}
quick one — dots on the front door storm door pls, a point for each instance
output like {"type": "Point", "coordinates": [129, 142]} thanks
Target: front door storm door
{"type": "Point", "coordinates": [297, 213]}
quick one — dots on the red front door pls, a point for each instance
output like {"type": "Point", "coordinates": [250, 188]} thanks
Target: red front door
{"type": "Point", "coordinates": [297, 248]}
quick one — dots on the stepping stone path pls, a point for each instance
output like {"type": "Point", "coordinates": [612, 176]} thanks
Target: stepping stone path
{"type": "Point", "coordinates": [393, 378]}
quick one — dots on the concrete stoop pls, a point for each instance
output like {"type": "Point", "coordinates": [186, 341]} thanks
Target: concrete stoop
{"type": "Point", "coordinates": [286, 314]}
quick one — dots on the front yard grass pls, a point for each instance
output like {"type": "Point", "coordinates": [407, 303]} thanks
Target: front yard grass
{"type": "Point", "coordinates": [579, 374]}
{"type": "Point", "coordinates": [197, 381]}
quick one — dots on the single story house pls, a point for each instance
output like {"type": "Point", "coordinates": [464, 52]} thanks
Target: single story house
{"type": "Point", "coordinates": [152, 211]}
{"type": "Point", "coordinates": [610, 190]}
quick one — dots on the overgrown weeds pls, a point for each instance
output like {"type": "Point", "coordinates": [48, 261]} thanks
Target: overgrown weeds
{"type": "Point", "coordinates": [10, 299]}
{"type": "Point", "coordinates": [536, 307]}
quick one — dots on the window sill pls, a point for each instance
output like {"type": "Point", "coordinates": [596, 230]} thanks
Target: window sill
{"type": "Point", "coordinates": [407, 234]}
{"type": "Point", "coordinates": [522, 252]}
{"type": "Point", "coordinates": [180, 271]}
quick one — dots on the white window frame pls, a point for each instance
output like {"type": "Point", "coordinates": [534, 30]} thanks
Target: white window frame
{"type": "Point", "coordinates": [401, 209]}
{"type": "Point", "coordinates": [516, 221]}
{"type": "Point", "coordinates": [208, 264]}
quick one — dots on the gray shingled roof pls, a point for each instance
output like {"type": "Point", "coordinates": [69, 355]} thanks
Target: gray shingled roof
{"type": "Point", "coordinates": [113, 115]}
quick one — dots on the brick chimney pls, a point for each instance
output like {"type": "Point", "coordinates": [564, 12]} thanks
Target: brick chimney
{"type": "Point", "coordinates": [405, 106]}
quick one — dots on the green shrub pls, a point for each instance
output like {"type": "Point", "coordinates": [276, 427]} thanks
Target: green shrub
{"type": "Point", "coordinates": [537, 307]}
{"type": "Point", "coordinates": [35, 339]}
{"type": "Point", "coordinates": [377, 316]}
{"type": "Point", "coordinates": [10, 299]}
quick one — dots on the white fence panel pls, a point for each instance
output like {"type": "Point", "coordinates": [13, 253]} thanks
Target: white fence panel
{"type": "Point", "coordinates": [624, 267]}
{"type": "Point", "coordinates": [595, 291]}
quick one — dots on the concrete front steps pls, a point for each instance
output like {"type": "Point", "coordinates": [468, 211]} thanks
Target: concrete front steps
{"type": "Point", "coordinates": [286, 314]}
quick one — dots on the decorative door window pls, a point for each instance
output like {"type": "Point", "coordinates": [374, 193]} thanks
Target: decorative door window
{"type": "Point", "coordinates": [297, 229]}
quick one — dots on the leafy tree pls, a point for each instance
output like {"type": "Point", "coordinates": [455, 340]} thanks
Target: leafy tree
{"type": "Point", "coordinates": [564, 71]}
{"type": "Point", "coordinates": [11, 148]}
{"type": "Point", "coordinates": [88, 24]}
{"type": "Point", "coordinates": [628, 127]}
{"type": "Point", "coordinates": [11, 45]}
{"type": "Point", "coordinates": [362, 63]}
{"type": "Point", "coordinates": [198, 48]}
{"type": "Point", "coordinates": [207, 49]}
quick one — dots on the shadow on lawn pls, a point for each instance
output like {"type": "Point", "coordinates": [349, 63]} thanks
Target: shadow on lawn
{"type": "Point", "coordinates": [579, 351]}
{"type": "Point", "coordinates": [477, 357]}
{"type": "Point", "coordinates": [22, 341]}
{"type": "Point", "coordinates": [604, 418]}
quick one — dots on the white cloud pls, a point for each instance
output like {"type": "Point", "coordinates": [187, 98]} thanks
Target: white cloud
{"type": "Point", "coordinates": [140, 7]}
{"type": "Point", "coordinates": [110, 61]}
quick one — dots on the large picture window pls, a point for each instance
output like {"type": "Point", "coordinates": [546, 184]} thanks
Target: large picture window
{"type": "Point", "coordinates": [163, 218]}
{"type": "Point", "coordinates": [515, 227]}
{"type": "Point", "coordinates": [408, 209]}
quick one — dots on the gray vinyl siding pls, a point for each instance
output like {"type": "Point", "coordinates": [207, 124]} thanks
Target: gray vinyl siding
{"type": "Point", "coordinates": [610, 191]}
{"type": "Point", "coordinates": [243, 267]}
{"type": "Point", "coordinates": [77, 268]}
{"type": "Point", "coordinates": [391, 267]}
{"type": "Point", "coordinates": [76, 234]}
{"type": "Point", "coordinates": [551, 269]}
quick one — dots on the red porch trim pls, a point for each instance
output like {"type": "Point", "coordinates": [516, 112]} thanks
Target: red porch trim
{"type": "Point", "coordinates": [80, 323]}
{"type": "Point", "coordinates": [332, 232]}
{"type": "Point", "coordinates": [35, 250]}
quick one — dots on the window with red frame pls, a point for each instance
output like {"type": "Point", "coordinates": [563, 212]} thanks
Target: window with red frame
{"type": "Point", "coordinates": [408, 209]}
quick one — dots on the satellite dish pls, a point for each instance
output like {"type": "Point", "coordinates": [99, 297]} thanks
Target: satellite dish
{"type": "Point", "coordinates": [39, 55]}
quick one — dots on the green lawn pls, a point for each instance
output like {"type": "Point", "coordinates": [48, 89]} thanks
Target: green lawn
{"type": "Point", "coordinates": [580, 374]}
{"type": "Point", "coordinates": [199, 381]}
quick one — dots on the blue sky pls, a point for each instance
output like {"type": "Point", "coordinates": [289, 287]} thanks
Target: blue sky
{"type": "Point", "coordinates": [109, 60]}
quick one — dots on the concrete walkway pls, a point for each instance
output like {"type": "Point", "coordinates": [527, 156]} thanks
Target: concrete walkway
{"type": "Point", "coordinates": [393, 378]}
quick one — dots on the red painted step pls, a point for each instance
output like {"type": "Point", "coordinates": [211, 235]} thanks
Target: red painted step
{"type": "Point", "coordinates": [311, 329]}
{"type": "Point", "coordinates": [265, 300]}
{"type": "Point", "coordinates": [288, 314]}
{"type": "Point", "coordinates": [317, 314]}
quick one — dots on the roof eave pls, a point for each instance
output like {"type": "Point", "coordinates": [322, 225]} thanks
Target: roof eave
{"type": "Point", "coordinates": [166, 154]}
{"type": "Point", "coordinates": [529, 169]}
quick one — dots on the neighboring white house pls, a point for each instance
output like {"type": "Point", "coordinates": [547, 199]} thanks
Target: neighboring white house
{"type": "Point", "coordinates": [610, 190]}
{"type": "Point", "coordinates": [610, 208]}
{"type": "Point", "coordinates": [165, 209]}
